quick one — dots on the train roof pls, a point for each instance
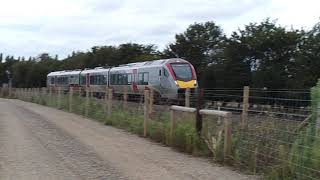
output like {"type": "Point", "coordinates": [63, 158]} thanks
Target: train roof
{"type": "Point", "coordinates": [95, 70]}
{"type": "Point", "coordinates": [155, 63]}
{"type": "Point", "coordinates": [66, 72]}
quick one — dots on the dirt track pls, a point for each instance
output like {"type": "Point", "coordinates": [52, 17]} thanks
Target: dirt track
{"type": "Point", "coordinates": [38, 142]}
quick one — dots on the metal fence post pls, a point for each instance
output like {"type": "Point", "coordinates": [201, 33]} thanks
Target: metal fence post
{"type": "Point", "coordinates": [245, 107]}
{"type": "Point", "coordinates": [187, 97]}
{"type": "Point", "coordinates": [146, 113]}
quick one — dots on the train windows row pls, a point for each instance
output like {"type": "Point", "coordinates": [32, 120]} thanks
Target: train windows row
{"type": "Point", "coordinates": [98, 80]}
{"type": "Point", "coordinates": [62, 80]}
{"type": "Point", "coordinates": [126, 79]}
{"type": "Point", "coordinates": [115, 79]}
{"type": "Point", "coordinates": [120, 79]}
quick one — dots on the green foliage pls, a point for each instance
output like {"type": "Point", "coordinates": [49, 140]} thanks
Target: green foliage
{"type": "Point", "coordinates": [198, 44]}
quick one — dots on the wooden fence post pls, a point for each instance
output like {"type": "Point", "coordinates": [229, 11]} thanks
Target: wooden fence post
{"type": "Point", "coordinates": [105, 104]}
{"type": "Point", "coordinates": [42, 95]}
{"type": "Point", "coordinates": [59, 98]}
{"type": "Point", "coordinates": [38, 95]}
{"type": "Point", "coordinates": [110, 93]}
{"type": "Point", "coordinates": [30, 94]}
{"type": "Point", "coordinates": [227, 138]}
{"type": "Point", "coordinates": [146, 113]}
{"type": "Point", "coordinates": [199, 106]}
{"type": "Point", "coordinates": [173, 125]}
{"type": "Point", "coordinates": [187, 97]}
{"type": "Point", "coordinates": [87, 102]}
{"type": "Point", "coordinates": [91, 92]}
{"type": "Point", "coordinates": [125, 99]}
{"type": "Point", "coordinates": [50, 91]}
{"type": "Point", "coordinates": [245, 107]}
{"type": "Point", "coordinates": [151, 101]}
{"type": "Point", "coordinates": [70, 99]}
{"type": "Point", "coordinates": [9, 91]}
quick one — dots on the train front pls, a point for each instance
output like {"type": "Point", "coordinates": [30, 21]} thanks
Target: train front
{"type": "Point", "coordinates": [184, 76]}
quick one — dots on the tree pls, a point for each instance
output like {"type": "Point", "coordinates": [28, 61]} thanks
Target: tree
{"type": "Point", "coordinates": [199, 44]}
{"type": "Point", "coordinates": [304, 70]}
{"type": "Point", "coordinates": [269, 49]}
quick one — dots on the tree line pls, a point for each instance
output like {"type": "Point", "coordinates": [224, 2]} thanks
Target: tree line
{"type": "Point", "coordinates": [261, 55]}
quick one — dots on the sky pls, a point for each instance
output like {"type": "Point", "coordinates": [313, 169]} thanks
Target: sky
{"type": "Point", "coordinates": [28, 28]}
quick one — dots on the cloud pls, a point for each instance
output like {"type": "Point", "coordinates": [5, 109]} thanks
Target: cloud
{"type": "Point", "coordinates": [28, 28]}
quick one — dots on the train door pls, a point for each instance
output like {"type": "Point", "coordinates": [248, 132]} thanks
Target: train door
{"type": "Point", "coordinates": [164, 81]}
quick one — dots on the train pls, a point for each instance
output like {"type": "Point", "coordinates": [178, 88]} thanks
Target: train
{"type": "Point", "coordinates": [168, 78]}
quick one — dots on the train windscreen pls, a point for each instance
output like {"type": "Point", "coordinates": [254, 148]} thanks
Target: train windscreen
{"type": "Point", "coordinates": [182, 71]}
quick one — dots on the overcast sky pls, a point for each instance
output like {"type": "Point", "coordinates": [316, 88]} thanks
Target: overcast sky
{"type": "Point", "coordinates": [30, 27]}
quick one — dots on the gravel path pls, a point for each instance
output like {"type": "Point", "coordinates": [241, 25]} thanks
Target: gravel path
{"type": "Point", "coordinates": [37, 142]}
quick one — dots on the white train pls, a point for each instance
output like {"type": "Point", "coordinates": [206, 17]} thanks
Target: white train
{"type": "Point", "coordinates": [167, 77]}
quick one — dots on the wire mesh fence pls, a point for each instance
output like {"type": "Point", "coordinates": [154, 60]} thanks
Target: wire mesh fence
{"type": "Point", "coordinates": [272, 132]}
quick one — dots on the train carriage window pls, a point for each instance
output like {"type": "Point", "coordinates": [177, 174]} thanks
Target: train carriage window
{"type": "Point", "coordinates": [160, 72]}
{"type": "Point", "coordinates": [113, 79]}
{"type": "Point", "coordinates": [82, 80]}
{"type": "Point", "coordinates": [129, 78]}
{"type": "Point", "coordinates": [146, 77]}
{"type": "Point", "coordinates": [124, 79]}
{"type": "Point", "coordinates": [165, 72]}
{"type": "Point", "coordinates": [143, 78]}
{"type": "Point", "coordinates": [105, 79]}
{"type": "Point", "coordinates": [140, 78]}
{"type": "Point", "coordinates": [97, 79]}
{"type": "Point", "coordinates": [100, 80]}
{"type": "Point", "coordinates": [91, 79]}
{"type": "Point", "coordinates": [120, 79]}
